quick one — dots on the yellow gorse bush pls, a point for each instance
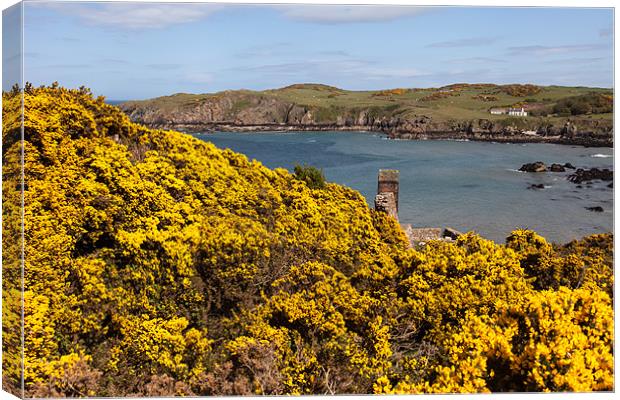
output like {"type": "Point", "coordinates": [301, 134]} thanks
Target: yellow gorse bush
{"type": "Point", "coordinates": [157, 264]}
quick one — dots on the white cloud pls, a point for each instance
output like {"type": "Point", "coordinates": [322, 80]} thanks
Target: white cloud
{"type": "Point", "coordinates": [144, 15]}
{"type": "Point", "coordinates": [135, 16]}
{"type": "Point", "coordinates": [346, 14]}
{"type": "Point", "coordinates": [321, 69]}
{"type": "Point", "coordinates": [581, 60]}
{"type": "Point", "coordinates": [465, 42]}
{"type": "Point", "coordinates": [550, 50]}
{"type": "Point", "coordinates": [477, 60]}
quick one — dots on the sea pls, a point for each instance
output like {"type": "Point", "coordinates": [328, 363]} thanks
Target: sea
{"type": "Point", "coordinates": [467, 185]}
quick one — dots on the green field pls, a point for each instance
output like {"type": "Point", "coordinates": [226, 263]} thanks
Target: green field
{"type": "Point", "coordinates": [460, 101]}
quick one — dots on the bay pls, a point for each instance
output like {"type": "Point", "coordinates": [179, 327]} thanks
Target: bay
{"type": "Point", "coordinates": [470, 186]}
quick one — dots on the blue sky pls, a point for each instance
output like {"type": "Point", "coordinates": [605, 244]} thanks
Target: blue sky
{"type": "Point", "coordinates": [134, 51]}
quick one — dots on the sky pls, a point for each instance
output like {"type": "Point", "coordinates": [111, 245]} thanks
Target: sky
{"type": "Point", "coordinates": [141, 50]}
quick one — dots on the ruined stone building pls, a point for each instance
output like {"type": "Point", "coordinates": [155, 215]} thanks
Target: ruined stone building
{"type": "Point", "coordinates": [386, 201]}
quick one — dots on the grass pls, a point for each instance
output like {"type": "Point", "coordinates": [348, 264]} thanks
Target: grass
{"type": "Point", "coordinates": [462, 102]}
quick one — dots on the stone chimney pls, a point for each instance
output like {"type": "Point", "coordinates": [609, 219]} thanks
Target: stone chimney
{"type": "Point", "coordinates": [386, 199]}
{"type": "Point", "coordinates": [388, 183]}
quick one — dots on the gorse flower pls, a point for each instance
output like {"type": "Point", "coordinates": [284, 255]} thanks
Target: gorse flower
{"type": "Point", "coordinates": [157, 264]}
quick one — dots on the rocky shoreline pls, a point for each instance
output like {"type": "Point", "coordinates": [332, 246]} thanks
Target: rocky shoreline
{"type": "Point", "coordinates": [587, 139]}
{"type": "Point", "coordinates": [243, 112]}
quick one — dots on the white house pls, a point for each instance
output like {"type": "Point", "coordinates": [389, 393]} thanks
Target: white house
{"type": "Point", "coordinates": [519, 112]}
{"type": "Point", "coordinates": [497, 111]}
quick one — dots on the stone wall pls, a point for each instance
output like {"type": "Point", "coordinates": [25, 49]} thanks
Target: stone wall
{"type": "Point", "coordinates": [386, 203]}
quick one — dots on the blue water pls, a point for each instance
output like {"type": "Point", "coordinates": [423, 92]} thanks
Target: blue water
{"type": "Point", "coordinates": [465, 185]}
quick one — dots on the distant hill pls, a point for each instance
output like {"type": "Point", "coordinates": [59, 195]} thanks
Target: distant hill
{"type": "Point", "coordinates": [577, 115]}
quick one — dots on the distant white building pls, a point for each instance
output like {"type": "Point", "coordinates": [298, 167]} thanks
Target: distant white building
{"type": "Point", "coordinates": [518, 112]}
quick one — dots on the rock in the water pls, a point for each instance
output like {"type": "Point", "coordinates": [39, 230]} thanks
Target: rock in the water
{"type": "Point", "coordinates": [611, 185]}
{"type": "Point", "coordinates": [536, 186]}
{"type": "Point", "coordinates": [569, 165]}
{"type": "Point", "coordinates": [537, 166]}
{"type": "Point", "coordinates": [586, 175]}
{"type": "Point", "coordinates": [557, 168]}
{"type": "Point", "coordinates": [595, 209]}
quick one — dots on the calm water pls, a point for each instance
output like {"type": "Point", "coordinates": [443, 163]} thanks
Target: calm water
{"type": "Point", "coordinates": [466, 185]}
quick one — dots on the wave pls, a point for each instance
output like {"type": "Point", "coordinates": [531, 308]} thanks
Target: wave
{"type": "Point", "coordinates": [601, 155]}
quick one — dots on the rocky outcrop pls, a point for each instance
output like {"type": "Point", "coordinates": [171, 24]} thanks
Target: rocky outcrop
{"type": "Point", "coordinates": [540, 166]}
{"type": "Point", "coordinates": [588, 175]}
{"type": "Point", "coordinates": [537, 166]}
{"type": "Point", "coordinates": [557, 168]}
{"type": "Point", "coordinates": [536, 186]}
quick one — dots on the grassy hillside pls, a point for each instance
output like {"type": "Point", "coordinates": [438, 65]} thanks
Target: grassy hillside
{"type": "Point", "coordinates": [459, 101]}
{"type": "Point", "coordinates": [158, 265]}
{"type": "Point", "coordinates": [567, 115]}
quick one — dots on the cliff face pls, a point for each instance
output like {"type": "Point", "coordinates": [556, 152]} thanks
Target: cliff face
{"type": "Point", "coordinates": [222, 110]}
{"type": "Point", "coordinates": [269, 111]}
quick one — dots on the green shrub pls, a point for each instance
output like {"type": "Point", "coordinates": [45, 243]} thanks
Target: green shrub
{"type": "Point", "coordinates": [594, 103]}
{"type": "Point", "coordinates": [313, 176]}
